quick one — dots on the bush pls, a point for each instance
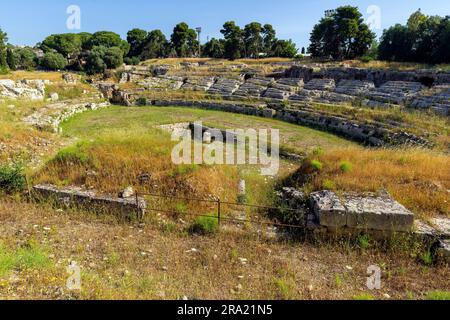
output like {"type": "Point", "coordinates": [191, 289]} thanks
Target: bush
{"type": "Point", "coordinates": [12, 178]}
{"type": "Point", "coordinates": [346, 167]}
{"type": "Point", "coordinates": [205, 225]}
{"type": "Point", "coordinates": [53, 61]}
{"type": "Point", "coordinates": [134, 61]}
{"type": "Point", "coordinates": [72, 155]}
{"type": "Point", "coordinates": [329, 185]}
{"type": "Point", "coordinates": [316, 165]}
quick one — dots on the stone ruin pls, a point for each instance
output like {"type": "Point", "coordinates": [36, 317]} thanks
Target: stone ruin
{"type": "Point", "coordinates": [127, 207]}
{"type": "Point", "coordinates": [50, 117]}
{"type": "Point", "coordinates": [423, 90]}
{"type": "Point", "coordinates": [24, 89]}
{"type": "Point", "coordinates": [326, 212]}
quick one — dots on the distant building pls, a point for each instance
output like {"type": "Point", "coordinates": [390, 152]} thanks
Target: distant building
{"type": "Point", "coordinates": [329, 13]}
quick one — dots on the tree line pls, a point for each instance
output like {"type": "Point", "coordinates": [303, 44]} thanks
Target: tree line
{"type": "Point", "coordinates": [339, 35]}
{"type": "Point", "coordinates": [344, 35]}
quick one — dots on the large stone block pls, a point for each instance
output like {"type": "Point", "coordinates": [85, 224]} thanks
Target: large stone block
{"type": "Point", "coordinates": [328, 209]}
{"type": "Point", "coordinates": [377, 213]}
{"type": "Point", "coordinates": [361, 212]}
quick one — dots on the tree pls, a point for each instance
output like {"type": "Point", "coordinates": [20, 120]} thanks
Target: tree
{"type": "Point", "coordinates": [26, 58]}
{"type": "Point", "coordinates": [136, 38]}
{"type": "Point", "coordinates": [343, 35]}
{"type": "Point", "coordinates": [269, 39]}
{"type": "Point", "coordinates": [184, 40]}
{"type": "Point", "coordinates": [214, 49]}
{"type": "Point", "coordinates": [113, 57]}
{"type": "Point", "coordinates": [285, 49]}
{"type": "Point", "coordinates": [303, 50]}
{"type": "Point", "coordinates": [253, 39]}
{"type": "Point", "coordinates": [155, 46]}
{"type": "Point", "coordinates": [53, 61]}
{"type": "Point", "coordinates": [234, 44]}
{"type": "Point", "coordinates": [415, 20]}
{"type": "Point", "coordinates": [11, 59]}
{"type": "Point", "coordinates": [396, 44]}
{"type": "Point", "coordinates": [108, 39]}
{"type": "Point", "coordinates": [94, 60]}
{"type": "Point", "coordinates": [3, 53]}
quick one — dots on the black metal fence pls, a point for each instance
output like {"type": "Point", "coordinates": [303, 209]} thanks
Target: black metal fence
{"type": "Point", "coordinates": [223, 211]}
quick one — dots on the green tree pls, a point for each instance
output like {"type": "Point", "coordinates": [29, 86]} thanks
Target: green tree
{"type": "Point", "coordinates": [11, 59]}
{"type": "Point", "coordinates": [113, 57]}
{"type": "Point", "coordinates": [285, 49]}
{"type": "Point", "coordinates": [26, 58]}
{"type": "Point", "coordinates": [415, 20]}
{"type": "Point", "coordinates": [269, 39]}
{"type": "Point", "coordinates": [3, 51]}
{"type": "Point", "coordinates": [136, 38]}
{"type": "Point", "coordinates": [344, 35]}
{"type": "Point", "coordinates": [155, 46]}
{"type": "Point", "coordinates": [253, 39]}
{"type": "Point", "coordinates": [53, 61]}
{"type": "Point", "coordinates": [214, 49]}
{"type": "Point", "coordinates": [396, 44]}
{"type": "Point", "coordinates": [234, 44]}
{"type": "Point", "coordinates": [184, 40]}
{"type": "Point", "coordinates": [108, 39]}
{"type": "Point", "coordinates": [95, 60]}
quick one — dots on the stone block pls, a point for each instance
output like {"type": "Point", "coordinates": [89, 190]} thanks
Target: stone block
{"type": "Point", "coordinates": [328, 209]}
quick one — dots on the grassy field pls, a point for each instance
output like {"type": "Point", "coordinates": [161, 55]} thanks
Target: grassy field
{"type": "Point", "coordinates": [161, 260]}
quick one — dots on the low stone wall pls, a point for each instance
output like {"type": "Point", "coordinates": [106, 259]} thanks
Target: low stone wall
{"type": "Point", "coordinates": [51, 116]}
{"type": "Point", "coordinates": [89, 200]}
{"type": "Point", "coordinates": [370, 134]}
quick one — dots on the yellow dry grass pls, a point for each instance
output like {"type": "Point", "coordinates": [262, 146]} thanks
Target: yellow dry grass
{"type": "Point", "coordinates": [33, 75]}
{"type": "Point", "coordinates": [419, 179]}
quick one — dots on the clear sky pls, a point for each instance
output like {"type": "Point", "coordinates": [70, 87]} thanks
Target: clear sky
{"type": "Point", "coordinates": [29, 21]}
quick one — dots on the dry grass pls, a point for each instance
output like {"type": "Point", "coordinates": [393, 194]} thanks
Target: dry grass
{"type": "Point", "coordinates": [156, 261]}
{"type": "Point", "coordinates": [419, 179]}
{"type": "Point", "coordinates": [410, 66]}
{"type": "Point", "coordinates": [110, 164]}
{"type": "Point", "coordinates": [33, 75]}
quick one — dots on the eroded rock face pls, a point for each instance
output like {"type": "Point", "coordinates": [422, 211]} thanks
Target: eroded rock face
{"type": "Point", "coordinates": [24, 89]}
{"type": "Point", "coordinates": [361, 212]}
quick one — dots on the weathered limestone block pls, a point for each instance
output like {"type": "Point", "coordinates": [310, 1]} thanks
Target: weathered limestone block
{"type": "Point", "coordinates": [198, 84]}
{"type": "Point", "coordinates": [354, 87]}
{"type": "Point", "coordinates": [24, 89]}
{"type": "Point", "coordinates": [162, 83]}
{"type": "Point", "coordinates": [395, 92]}
{"type": "Point", "coordinates": [225, 86]}
{"type": "Point", "coordinates": [377, 213]}
{"type": "Point", "coordinates": [321, 85]}
{"type": "Point", "coordinates": [288, 84]}
{"type": "Point", "coordinates": [89, 200]}
{"type": "Point", "coordinates": [437, 99]}
{"type": "Point", "coordinates": [277, 94]}
{"type": "Point", "coordinates": [361, 212]}
{"type": "Point", "coordinates": [328, 209]}
{"type": "Point", "coordinates": [70, 78]}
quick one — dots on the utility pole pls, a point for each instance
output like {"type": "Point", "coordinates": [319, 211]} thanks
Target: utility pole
{"type": "Point", "coordinates": [199, 31]}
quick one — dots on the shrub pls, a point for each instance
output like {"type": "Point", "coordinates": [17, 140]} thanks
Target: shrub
{"type": "Point", "coordinates": [316, 165]}
{"type": "Point", "coordinates": [329, 185]}
{"type": "Point", "coordinates": [364, 241]}
{"type": "Point", "coordinates": [205, 225]}
{"type": "Point", "coordinates": [53, 61]}
{"type": "Point", "coordinates": [12, 178]}
{"type": "Point", "coordinates": [134, 61]}
{"type": "Point", "coordinates": [346, 167]}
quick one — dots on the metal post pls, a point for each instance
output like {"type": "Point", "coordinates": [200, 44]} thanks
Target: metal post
{"type": "Point", "coordinates": [218, 211]}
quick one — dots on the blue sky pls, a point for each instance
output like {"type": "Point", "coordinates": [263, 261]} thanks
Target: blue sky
{"type": "Point", "coordinates": [29, 21]}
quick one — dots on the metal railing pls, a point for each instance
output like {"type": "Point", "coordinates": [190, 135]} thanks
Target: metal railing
{"type": "Point", "coordinates": [219, 212]}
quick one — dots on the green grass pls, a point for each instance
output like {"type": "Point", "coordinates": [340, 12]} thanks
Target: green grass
{"type": "Point", "coordinates": [141, 120]}
{"type": "Point", "coordinates": [438, 295]}
{"type": "Point", "coordinates": [364, 297]}
{"type": "Point", "coordinates": [205, 225]}
{"type": "Point", "coordinates": [30, 256]}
